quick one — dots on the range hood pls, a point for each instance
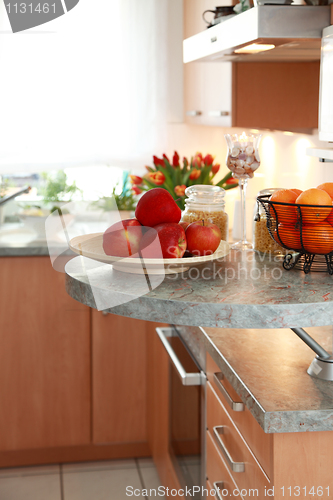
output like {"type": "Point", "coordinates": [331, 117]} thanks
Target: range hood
{"type": "Point", "coordinates": [295, 30]}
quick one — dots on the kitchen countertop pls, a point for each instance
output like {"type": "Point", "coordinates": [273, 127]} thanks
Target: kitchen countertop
{"type": "Point", "coordinates": [18, 240]}
{"type": "Point", "coordinates": [267, 368]}
{"type": "Point", "coordinates": [241, 290]}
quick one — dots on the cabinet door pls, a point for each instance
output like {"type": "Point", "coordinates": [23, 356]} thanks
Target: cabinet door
{"type": "Point", "coordinates": [44, 358]}
{"type": "Point", "coordinates": [280, 95]}
{"type": "Point", "coordinates": [118, 379]}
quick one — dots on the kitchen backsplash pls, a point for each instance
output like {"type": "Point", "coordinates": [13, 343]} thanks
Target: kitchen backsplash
{"type": "Point", "coordinates": [284, 162]}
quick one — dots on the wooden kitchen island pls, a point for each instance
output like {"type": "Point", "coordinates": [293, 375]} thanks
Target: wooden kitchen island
{"type": "Point", "coordinates": [235, 316]}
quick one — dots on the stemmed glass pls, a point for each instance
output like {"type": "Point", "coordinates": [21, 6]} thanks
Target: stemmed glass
{"type": "Point", "coordinates": [243, 159]}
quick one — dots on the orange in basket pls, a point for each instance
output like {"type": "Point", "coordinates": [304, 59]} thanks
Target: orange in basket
{"type": "Point", "coordinates": [318, 238]}
{"type": "Point", "coordinates": [290, 237]}
{"type": "Point", "coordinates": [297, 191]}
{"type": "Point", "coordinates": [328, 187]}
{"type": "Point", "coordinates": [314, 196]}
{"type": "Point", "coordinates": [285, 214]}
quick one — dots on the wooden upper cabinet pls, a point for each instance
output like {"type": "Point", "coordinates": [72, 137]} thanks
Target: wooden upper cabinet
{"type": "Point", "coordinates": [267, 95]}
{"type": "Point", "coordinates": [44, 358]}
{"type": "Point", "coordinates": [278, 95]}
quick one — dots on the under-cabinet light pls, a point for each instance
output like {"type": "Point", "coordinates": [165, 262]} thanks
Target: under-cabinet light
{"type": "Point", "coordinates": [253, 48]}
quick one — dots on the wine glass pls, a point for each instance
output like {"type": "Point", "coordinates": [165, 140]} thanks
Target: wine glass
{"type": "Point", "coordinates": [243, 159]}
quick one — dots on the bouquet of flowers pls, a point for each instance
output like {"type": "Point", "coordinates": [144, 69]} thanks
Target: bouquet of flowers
{"type": "Point", "coordinates": [175, 177]}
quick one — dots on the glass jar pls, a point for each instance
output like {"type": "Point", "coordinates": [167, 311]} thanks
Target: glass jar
{"type": "Point", "coordinates": [206, 203]}
{"type": "Point", "coordinates": [262, 240]}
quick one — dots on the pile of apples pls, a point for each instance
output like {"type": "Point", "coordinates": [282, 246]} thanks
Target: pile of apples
{"type": "Point", "coordinates": [156, 229]}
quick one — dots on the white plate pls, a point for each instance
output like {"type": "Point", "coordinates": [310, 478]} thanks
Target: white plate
{"type": "Point", "coordinates": [91, 246]}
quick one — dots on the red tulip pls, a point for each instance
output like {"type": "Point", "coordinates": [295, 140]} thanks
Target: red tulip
{"type": "Point", "coordinates": [231, 180]}
{"type": "Point", "coordinates": [180, 190]}
{"type": "Point", "coordinates": [136, 190]}
{"type": "Point", "coordinates": [197, 160]}
{"type": "Point", "coordinates": [215, 168]}
{"type": "Point", "coordinates": [135, 179]}
{"type": "Point", "coordinates": [157, 178]}
{"type": "Point", "coordinates": [208, 159]}
{"type": "Point", "coordinates": [158, 161]}
{"type": "Point", "coordinates": [175, 160]}
{"type": "Point", "coordinates": [166, 158]}
{"type": "Point", "coordinates": [195, 174]}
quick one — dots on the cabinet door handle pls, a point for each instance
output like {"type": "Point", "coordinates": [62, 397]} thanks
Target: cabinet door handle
{"type": "Point", "coordinates": [218, 113]}
{"type": "Point", "coordinates": [234, 405]}
{"type": "Point", "coordinates": [193, 112]}
{"type": "Point", "coordinates": [186, 378]}
{"type": "Point", "coordinates": [234, 466]}
{"type": "Point", "coordinates": [218, 485]}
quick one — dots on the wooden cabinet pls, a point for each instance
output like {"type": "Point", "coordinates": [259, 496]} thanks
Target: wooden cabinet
{"type": "Point", "coordinates": [44, 359]}
{"type": "Point", "coordinates": [277, 465]}
{"type": "Point", "coordinates": [73, 382]}
{"type": "Point", "coordinates": [119, 381]}
{"type": "Point", "coordinates": [272, 95]}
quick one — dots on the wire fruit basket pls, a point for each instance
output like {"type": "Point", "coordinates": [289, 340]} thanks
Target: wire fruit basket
{"type": "Point", "coordinates": [305, 230]}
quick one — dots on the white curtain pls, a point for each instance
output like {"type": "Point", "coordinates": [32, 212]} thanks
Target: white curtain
{"type": "Point", "coordinates": [87, 88]}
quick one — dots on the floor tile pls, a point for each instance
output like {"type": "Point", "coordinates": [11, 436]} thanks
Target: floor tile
{"type": "Point", "coordinates": [40, 487]}
{"type": "Point", "coordinates": [99, 465]}
{"type": "Point", "coordinates": [145, 462]}
{"type": "Point", "coordinates": [101, 484]}
{"type": "Point", "coordinates": [151, 481]}
{"type": "Point", "coordinates": [30, 471]}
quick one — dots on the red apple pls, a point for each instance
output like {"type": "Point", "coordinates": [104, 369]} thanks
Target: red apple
{"type": "Point", "coordinates": [122, 239]}
{"type": "Point", "coordinates": [202, 238]}
{"type": "Point", "coordinates": [157, 206]}
{"type": "Point", "coordinates": [184, 224]}
{"type": "Point", "coordinates": [165, 241]}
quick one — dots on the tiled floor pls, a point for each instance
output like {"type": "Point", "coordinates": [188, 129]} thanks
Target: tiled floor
{"type": "Point", "coordinates": [105, 480]}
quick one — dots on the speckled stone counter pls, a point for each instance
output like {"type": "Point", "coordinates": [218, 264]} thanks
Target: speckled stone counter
{"type": "Point", "coordinates": [267, 368]}
{"type": "Point", "coordinates": [239, 291]}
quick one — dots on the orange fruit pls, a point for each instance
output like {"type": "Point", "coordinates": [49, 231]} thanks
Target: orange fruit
{"type": "Point", "coordinates": [284, 213]}
{"type": "Point", "coordinates": [318, 238]}
{"type": "Point", "coordinates": [297, 191]}
{"type": "Point", "coordinates": [314, 196]}
{"type": "Point", "coordinates": [289, 236]}
{"type": "Point", "coordinates": [328, 187]}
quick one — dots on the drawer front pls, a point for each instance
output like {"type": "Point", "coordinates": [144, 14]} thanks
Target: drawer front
{"type": "Point", "coordinates": [261, 444]}
{"type": "Point", "coordinates": [242, 465]}
{"type": "Point", "coordinates": [217, 471]}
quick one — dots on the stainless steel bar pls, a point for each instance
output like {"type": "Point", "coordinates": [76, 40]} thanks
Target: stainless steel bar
{"type": "Point", "coordinates": [186, 378]}
{"type": "Point", "coordinates": [218, 485]}
{"type": "Point", "coordinates": [320, 351]}
{"type": "Point", "coordinates": [234, 405]}
{"type": "Point", "coordinates": [234, 466]}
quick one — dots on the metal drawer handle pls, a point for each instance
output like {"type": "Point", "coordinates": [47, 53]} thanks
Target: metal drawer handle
{"type": "Point", "coordinates": [234, 466]}
{"type": "Point", "coordinates": [218, 485]}
{"type": "Point", "coordinates": [186, 378]}
{"type": "Point", "coordinates": [193, 112]}
{"type": "Point", "coordinates": [218, 113]}
{"type": "Point", "coordinates": [234, 405]}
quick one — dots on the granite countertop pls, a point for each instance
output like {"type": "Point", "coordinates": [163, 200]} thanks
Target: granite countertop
{"type": "Point", "coordinates": [241, 290]}
{"type": "Point", "coordinates": [267, 368]}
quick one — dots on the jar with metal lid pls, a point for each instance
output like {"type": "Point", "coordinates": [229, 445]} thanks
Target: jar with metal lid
{"type": "Point", "coordinates": [206, 203]}
{"type": "Point", "coordinates": [262, 240]}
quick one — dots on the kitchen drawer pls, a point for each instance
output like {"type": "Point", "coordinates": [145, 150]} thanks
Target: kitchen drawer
{"type": "Point", "coordinates": [217, 471]}
{"type": "Point", "coordinates": [259, 442]}
{"type": "Point", "coordinates": [245, 470]}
